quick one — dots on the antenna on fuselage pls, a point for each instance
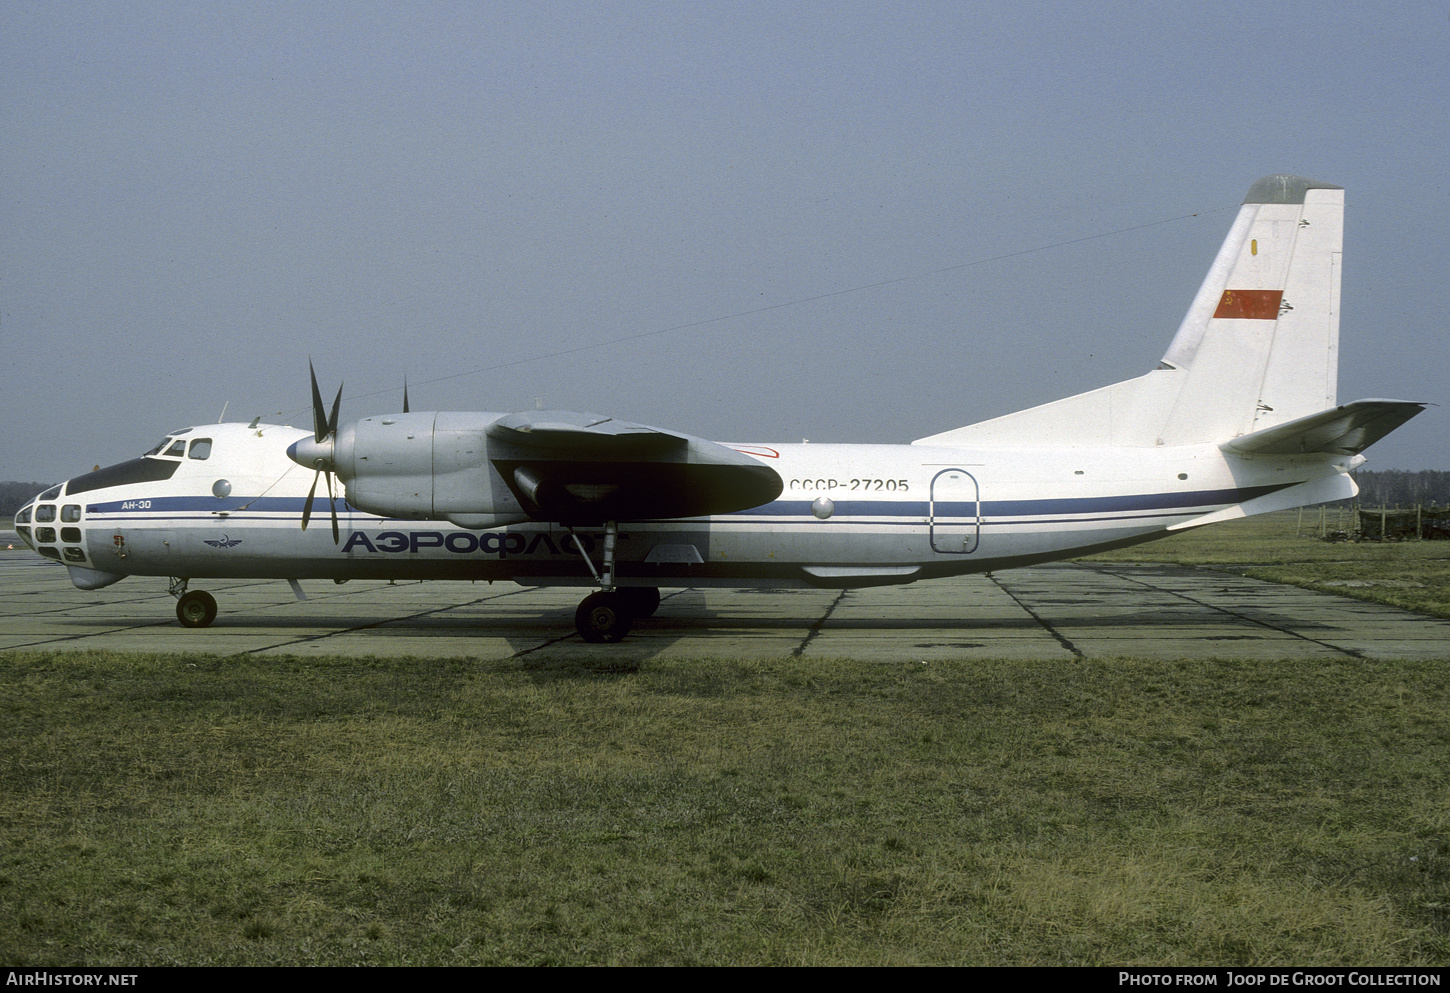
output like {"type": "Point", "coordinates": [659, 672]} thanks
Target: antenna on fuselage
{"type": "Point", "coordinates": [224, 412]}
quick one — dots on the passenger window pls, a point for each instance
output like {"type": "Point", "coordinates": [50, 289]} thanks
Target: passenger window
{"type": "Point", "coordinates": [70, 513]}
{"type": "Point", "coordinates": [45, 513]}
{"type": "Point", "coordinates": [201, 448]}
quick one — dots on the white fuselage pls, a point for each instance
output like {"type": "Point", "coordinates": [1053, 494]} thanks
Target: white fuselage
{"type": "Point", "coordinates": [848, 516]}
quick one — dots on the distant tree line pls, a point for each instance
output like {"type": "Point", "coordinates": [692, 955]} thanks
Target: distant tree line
{"type": "Point", "coordinates": [1401, 488]}
{"type": "Point", "coordinates": [13, 496]}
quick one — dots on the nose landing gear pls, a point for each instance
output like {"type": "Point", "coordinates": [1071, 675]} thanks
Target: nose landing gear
{"type": "Point", "coordinates": [196, 609]}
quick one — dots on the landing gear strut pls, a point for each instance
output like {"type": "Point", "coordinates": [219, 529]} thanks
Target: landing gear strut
{"type": "Point", "coordinates": [605, 617]}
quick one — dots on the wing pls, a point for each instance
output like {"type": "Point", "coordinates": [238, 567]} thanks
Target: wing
{"type": "Point", "coordinates": [587, 469]}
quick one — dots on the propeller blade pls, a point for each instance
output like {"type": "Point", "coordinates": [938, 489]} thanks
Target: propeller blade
{"type": "Point", "coordinates": [324, 425]}
{"type": "Point", "coordinates": [319, 426]}
{"type": "Point", "coordinates": [336, 539]}
{"type": "Point", "coordinates": [307, 507]}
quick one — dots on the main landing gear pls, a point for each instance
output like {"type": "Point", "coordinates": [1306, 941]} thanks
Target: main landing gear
{"type": "Point", "coordinates": [606, 616]}
{"type": "Point", "coordinates": [196, 609]}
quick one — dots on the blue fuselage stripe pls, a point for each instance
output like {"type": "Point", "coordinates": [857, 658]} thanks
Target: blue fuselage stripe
{"type": "Point", "coordinates": [988, 511]}
{"type": "Point", "coordinates": [1185, 502]}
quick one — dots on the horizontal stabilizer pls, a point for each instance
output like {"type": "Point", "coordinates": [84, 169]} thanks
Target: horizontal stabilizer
{"type": "Point", "coordinates": [1346, 430]}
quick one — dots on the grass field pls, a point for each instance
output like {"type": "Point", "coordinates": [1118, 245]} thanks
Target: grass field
{"type": "Point", "coordinates": [202, 810]}
{"type": "Point", "coordinates": [213, 811]}
{"type": "Point", "coordinates": [1280, 548]}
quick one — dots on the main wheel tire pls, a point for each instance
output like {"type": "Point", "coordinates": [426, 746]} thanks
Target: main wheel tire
{"type": "Point", "coordinates": [643, 601]}
{"type": "Point", "coordinates": [603, 617]}
{"type": "Point", "coordinates": [196, 609]}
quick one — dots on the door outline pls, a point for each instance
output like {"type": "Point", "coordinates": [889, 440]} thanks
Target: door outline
{"type": "Point", "coordinates": [954, 534]}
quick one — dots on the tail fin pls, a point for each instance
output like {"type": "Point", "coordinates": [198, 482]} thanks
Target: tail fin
{"type": "Point", "coordinates": [1258, 347]}
{"type": "Point", "coordinates": [1260, 344]}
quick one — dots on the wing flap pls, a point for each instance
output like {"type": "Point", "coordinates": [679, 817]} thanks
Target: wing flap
{"type": "Point", "coordinates": [585, 469]}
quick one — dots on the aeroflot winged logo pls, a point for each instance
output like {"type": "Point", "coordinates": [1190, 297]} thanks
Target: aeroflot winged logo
{"type": "Point", "coordinates": [223, 542]}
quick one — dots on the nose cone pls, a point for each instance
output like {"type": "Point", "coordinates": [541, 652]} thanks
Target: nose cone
{"type": "Point", "coordinates": [312, 454]}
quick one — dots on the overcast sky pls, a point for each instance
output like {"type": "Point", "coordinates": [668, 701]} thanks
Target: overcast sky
{"type": "Point", "coordinates": [838, 221]}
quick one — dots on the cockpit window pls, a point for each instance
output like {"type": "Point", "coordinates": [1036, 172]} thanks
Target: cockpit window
{"type": "Point", "coordinates": [172, 446]}
{"type": "Point", "coordinates": [50, 494]}
{"type": "Point", "coordinates": [201, 448]}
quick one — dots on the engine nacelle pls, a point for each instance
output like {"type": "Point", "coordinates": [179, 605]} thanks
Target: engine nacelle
{"type": "Point", "coordinates": [425, 466]}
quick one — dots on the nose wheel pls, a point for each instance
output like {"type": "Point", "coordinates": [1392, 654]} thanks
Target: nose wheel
{"type": "Point", "coordinates": [196, 609]}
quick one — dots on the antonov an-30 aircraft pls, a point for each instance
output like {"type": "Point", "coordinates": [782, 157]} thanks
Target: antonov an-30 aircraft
{"type": "Point", "coordinates": [1239, 418]}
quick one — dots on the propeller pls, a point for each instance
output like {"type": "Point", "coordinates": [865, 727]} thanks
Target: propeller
{"type": "Point", "coordinates": [324, 435]}
{"type": "Point", "coordinates": [319, 452]}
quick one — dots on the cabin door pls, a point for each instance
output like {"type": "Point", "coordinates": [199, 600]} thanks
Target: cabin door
{"type": "Point", "coordinates": [955, 511]}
